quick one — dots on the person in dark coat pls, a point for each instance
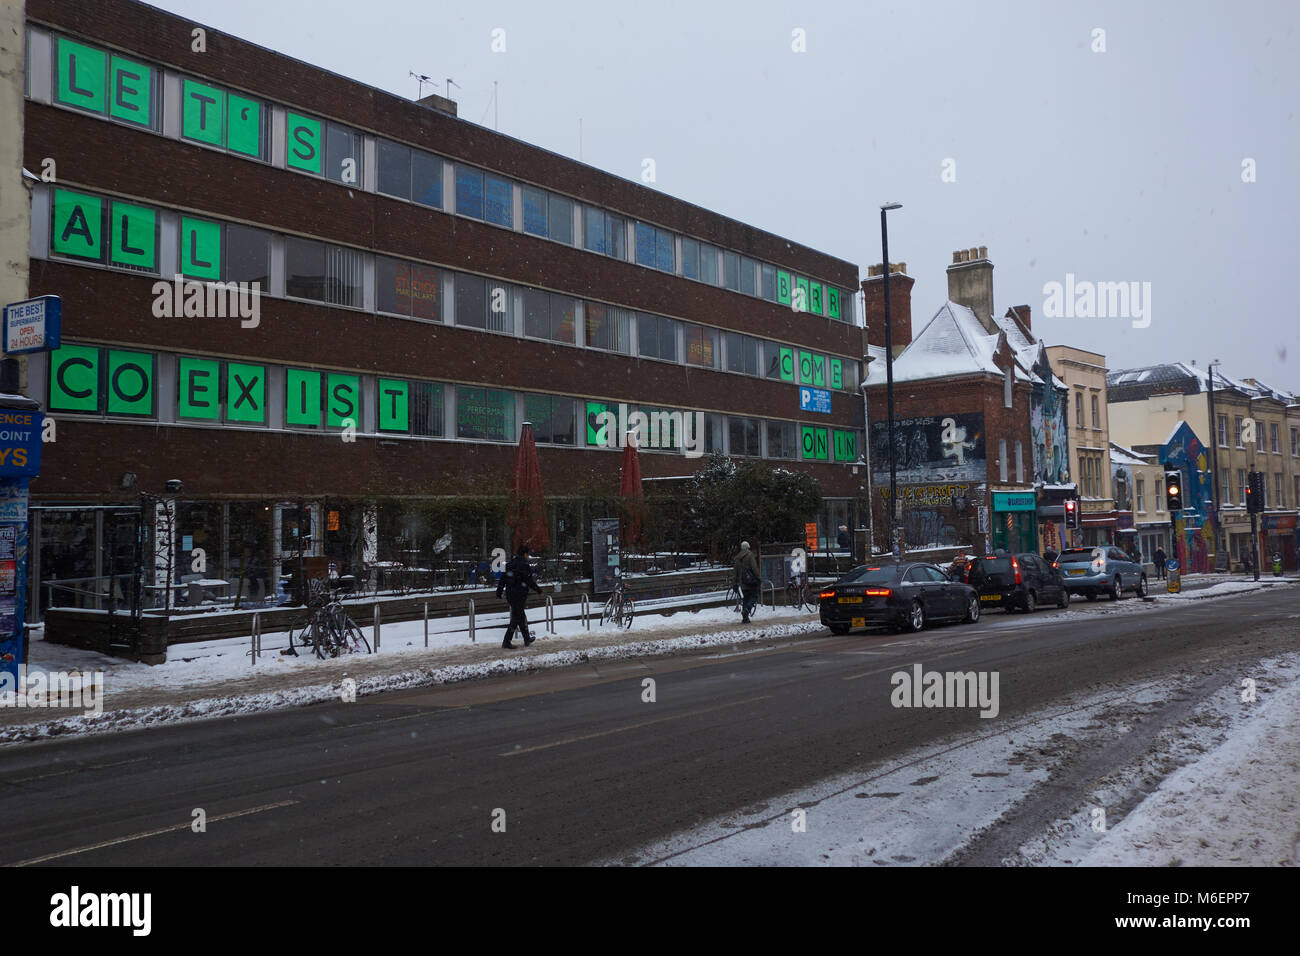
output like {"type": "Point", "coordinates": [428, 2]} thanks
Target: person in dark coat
{"type": "Point", "coordinates": [747, 580]}
{"type": "Point", "coordinates": [845, 540]}
{"type": "Point", "coordinates": [515, 581]}
{"type": "Point", "coordinates": [1160, 559]}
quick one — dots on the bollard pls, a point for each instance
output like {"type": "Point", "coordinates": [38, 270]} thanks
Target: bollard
{"type": "Point", "coordinates": [550, 615]}
{"type": "Point", "coordinates": [585, 606]}
{"type": "Point", "coordinates": [426, 623]}
{"type": "Point", "coordinates": [255, 650]}
{"type": "Point", "coordinates": [376, 627]}
{"type": "Point", "coordinates": [471, 620]}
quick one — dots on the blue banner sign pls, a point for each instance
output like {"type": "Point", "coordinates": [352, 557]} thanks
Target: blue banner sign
{"type": "Point", "coordinates": [33, 326]}
{"type": "Point", "coordinates": [815, 400]}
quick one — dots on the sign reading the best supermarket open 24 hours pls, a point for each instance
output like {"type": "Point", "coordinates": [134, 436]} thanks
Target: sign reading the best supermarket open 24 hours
{"type": "Point", "coordinates": [33, 325]}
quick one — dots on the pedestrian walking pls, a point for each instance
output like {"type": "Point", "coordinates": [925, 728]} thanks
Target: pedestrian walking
{"type": "Point", "coordinates": [747, 580]}
{"type": "Point", "coordinates": [1161, 558]}
{"type": "Point", "coordinates": [515, 581]}
{"type": "Point", "coordinates": [845, 540]}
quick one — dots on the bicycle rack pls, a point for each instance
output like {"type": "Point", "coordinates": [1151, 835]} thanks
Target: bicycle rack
{"type": "Point", "coordinates": [585, 607]}
{"type": "Point", "coordinates": [550, 615]}
{"type": "Point", "coordinates": [770, 587]}
{"type": "Point", "coordinates": [256, 650]}
{"type": "Point", "coordinates": [471, 620]}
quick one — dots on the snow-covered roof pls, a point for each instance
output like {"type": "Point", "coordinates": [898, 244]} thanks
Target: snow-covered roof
{"type": "Point", "coordinates": [1174, 372]}
{"type": "Point", "coordinates": [953, 342]}
{"type": "Point", "coordinates": [1016, 336]}
{"type": "Point", "coordinates": [1119, 455]}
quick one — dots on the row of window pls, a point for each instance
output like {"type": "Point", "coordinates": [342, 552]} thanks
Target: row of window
{"type": "Point", "coordinates": [1278, 500]}
{"type": "Point", "coordinates": [1272, 433]}
{"type": "Point", "coordinates": [94, 380]}
{"type": "Point", "coordinates": [123, 89]}
{"type": "Point", "coordinates": [100, 229]}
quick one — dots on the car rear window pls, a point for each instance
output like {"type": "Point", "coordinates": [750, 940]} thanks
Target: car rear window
{"type": "Point", "coordinates": [868, 575]}
{"type": "Point", "coordinates": [1076, 554]}
{"type": "Point", "coordinates": [996, 565]}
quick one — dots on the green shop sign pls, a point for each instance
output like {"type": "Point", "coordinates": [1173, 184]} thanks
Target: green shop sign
{"type": "Point", "coordinates": [1014, 501]}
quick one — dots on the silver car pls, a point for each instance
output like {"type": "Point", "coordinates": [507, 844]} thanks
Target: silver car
{"type": "Point", "coordinates": [1101, 570]}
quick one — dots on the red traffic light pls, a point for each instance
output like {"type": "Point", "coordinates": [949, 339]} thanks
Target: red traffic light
{"type": "Point", "coordinates": [1069, 505]}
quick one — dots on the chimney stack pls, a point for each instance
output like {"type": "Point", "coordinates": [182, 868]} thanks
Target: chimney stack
{"type": "Point", "coordinates": [1022, 313]}
{"type": "Point", "coordinates": [900, 305]}
{"type": "Point", "coordinates": [970, 283]}
{"type": "Point", "coordinates": [440, 103]}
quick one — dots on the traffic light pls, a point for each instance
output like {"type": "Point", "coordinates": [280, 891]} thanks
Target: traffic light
{"type": "Point", "coordinates": [1174, 490]}
{"type": "Point", "coordinates": [1255, 493]}
{"type": "Point", "coordinates": [1072, 512]}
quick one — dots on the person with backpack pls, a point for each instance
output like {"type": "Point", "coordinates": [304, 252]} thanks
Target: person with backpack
{"type": "Point", "coordinates": [747, 580]}
{"type": "Point", "coordinates": [515, 581]}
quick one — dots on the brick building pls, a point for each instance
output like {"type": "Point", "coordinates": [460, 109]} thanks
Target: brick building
{"type": "Point", "coordinates": [424, 285]}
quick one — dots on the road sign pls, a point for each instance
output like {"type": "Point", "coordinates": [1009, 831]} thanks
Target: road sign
{"type": "Point", "coordinates": [1175, 581]}
{"type": "Point", "coordinates": [34, 325]}
{"type": "Point", "coordinates": [815, 400]}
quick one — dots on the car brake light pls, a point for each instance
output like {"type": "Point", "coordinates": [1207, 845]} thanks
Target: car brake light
{"type": "Point", "coordinates": [827, 594]}
{"type": "Point", "coordinates": [879, 592]}
{"type": "Point", "coordinates": [1016, 566]}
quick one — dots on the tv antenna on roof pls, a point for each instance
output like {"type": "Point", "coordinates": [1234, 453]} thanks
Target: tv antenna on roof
{"type": "Point", "coordinates": [450, 84]}
{"type": "Point", "coordinates": [420, 80]}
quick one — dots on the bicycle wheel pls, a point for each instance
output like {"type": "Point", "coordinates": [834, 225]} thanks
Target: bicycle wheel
{"type": "Point", "coordinates": [627, 610]}
{"type": "Point", "coordinates": [608, 613]}
{"type": "Point", "coordinates": [321, 642]}
{"type": "Point", "coordinates": [354, 638]}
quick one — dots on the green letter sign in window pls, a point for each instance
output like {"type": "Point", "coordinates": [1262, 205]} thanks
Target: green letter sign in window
{"type": "Point", "coordinates": [81, 75]}
{"type": "Point", "coordinates": [304, 143]}
{"type": "Point", "coordinates": [200, 389]}
{"type": "Point", "coordinates": [393, 405]}
{"type": "Point", "coordinates": [302, 398]}
{"type": "Point", "coordinates": [74, 379]}
{"type": "Point", "coordinates": [130, 91]}
{"type": "Point", "coordinates": [802, 303]}
{"type": "Point", "coordinates": [837, 373]}
{"type": "Point", "coordinates": [833, 301]}
{"type": "Point", "coordinates": [244, 125]}
{"type": "Point", "coordinates": [783, 287]}
{"type": "Point", "coordinates": [846, 446]}
{"type": "Point", "coordinates": [130, 383]}
{"type": "Point", "coordinates": [815, 298]}
{"type": "Point", "coordinates": [815, 443]}
{"type": "Point", "coordinates": [78, 225]}
{"type": "Point", "coordinates": [343, 406]}
{"type": "Point", "coordinates": [203, 115]}
{"type": "Point", "coordinates": [245, 393]}
{"type": "Point", "coordinates": [133, 240]}
{"type": "Point", "coordinates": [200, 248]}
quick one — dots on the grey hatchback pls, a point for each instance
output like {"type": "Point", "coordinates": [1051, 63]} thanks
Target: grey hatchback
{"type": "Point", "coordinates": [1101, 570]}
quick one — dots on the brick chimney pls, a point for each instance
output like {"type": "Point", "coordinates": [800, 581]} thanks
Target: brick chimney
{"type": "Point", "coordinates": [970, 283]}
{"type": "Point", "coordinates": [900, 305]}
{"type": "Point", "coordinates": [1022, 313]}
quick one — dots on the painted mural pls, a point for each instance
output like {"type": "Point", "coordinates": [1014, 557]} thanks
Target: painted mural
{"type": "Point", "coordinates": [1121, 479]}
{"type": "Point", "coordinates": [1188, 454]}
{"type": "Point", "coordinates": [936, 449]}
{"type": "Point", "coordinates": [1047, 424]}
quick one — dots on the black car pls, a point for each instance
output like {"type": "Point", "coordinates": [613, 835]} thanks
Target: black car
{"type": "Point", "coordinates": [901, 595]}
{"type": "Point", "coordinates": [1017, 581]}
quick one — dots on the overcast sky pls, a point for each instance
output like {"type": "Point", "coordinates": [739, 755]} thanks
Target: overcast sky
{"type": "Point", "coordinates": [1122, 165]}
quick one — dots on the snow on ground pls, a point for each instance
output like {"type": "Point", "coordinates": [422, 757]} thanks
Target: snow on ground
{"type": "Point", "coordinates": [1238, 804]}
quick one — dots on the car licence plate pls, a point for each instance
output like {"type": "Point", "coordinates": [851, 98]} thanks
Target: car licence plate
{"type": "Point", "coordinates": [858, 622]}
{"type": "Point", "coordinates": [990, 597]}
{"type": "Point", "coordinates": [850, 600]}
{"type": "Point", "coordinates": [1078, 570]}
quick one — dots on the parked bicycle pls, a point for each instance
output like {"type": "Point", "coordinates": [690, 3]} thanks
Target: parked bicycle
{"type": "Point", "coordinates": [736, 600]}
{"type": "Point", "coordinates": [799, 594]}
{"type": "Point", "coordinates": [620, 607]}
{"type": "Point", "coordinates": [329, 631]}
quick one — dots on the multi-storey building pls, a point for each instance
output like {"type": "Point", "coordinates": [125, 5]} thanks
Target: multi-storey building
{"type": "Point", "coordinates": [1137, 485]}
{"type": "Point", "coordinates": [423, 286]}
{"type": "Point", "coordinates": [1084, 374]}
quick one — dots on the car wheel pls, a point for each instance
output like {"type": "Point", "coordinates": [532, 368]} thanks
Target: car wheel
{"type": "Point", "coordinates": [1114, 589]}
{"type": "Point", "coordinates": [916, 617]}
{"type": "Point", "coordinates": [1092, 595]}
{"type": "Point", "coordinates": [1142, 587]}
{"type": "Point", "coordinates": [839, 629]}
{"type": "Point", "coordinates": [1065, 599]}
{"type": "Point", "coordinates": [1031, 602]}
{"type": "Point", "coordinates": [972, 609]}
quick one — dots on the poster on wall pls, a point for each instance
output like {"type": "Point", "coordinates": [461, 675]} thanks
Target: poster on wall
{"type": "Point", "coordinates": [936, 449]}
{"type": "Point", "coordinates": [1049, 435]}
{"type": "Point", "coordinates": [605, 555]}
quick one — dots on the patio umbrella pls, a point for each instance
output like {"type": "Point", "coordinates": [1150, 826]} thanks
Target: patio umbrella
{"type": "Point", "coordinates": [526, 514]}
{"type": "Point", "coordinates": [631, 493]}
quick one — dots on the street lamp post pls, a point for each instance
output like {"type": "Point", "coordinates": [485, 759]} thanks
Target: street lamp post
{"type": "Point", "coordinates": [1215, 489]}
{"type": "Point", "coordinates": [895, 513]}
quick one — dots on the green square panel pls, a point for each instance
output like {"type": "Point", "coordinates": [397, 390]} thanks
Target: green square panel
{"type": "Point", "coordinates": [244, 125]}
{"type": "Point", "coordinates": [302, 398]}
{"type": "Point", "coordinates": [833, 302]}
{"type": "Point", "coordinates": [393, 404]}
{"type": "Point", "coordinates": [78, 225]}
{"type": "Point", "coordinates": [787, 365]}
{"type": "Point", "coordinates": [846, 445]}
{"type": "Point", "coordinates": [74, 379]}
{"type": "Point", "coordinates": [801, 299]}
{"type": "Point", "coordinates": [815, 304]}
{"type": "Point", "coordinates": [816, 443]}
{"type": "Point", "coordinates": [199, 389]}
{"type": "Point", "coordinates": [782, 287]}
{"type": "Point", "coordinates": [305, 143]}
{"type": "Point", "coordinates": [130, 91]}
{"type": "Point", "coordinates": [245, 393]}
{"type": "Point", "coordinates": [343, 401]}
{"type": "Point", "coordinates": [598, 435]}
{"type": "Point", "coordinates": [130, 383]}
{"type": "Point", "coordinates": [200, 248]}
{"type": "Point", "coordinates": [203, 113]}
{"type": "Point", "coordinates": [837, 373]}
{"type": "Point", "coordinates": [133, 239]}
{"type": "Point", "coordinates": [82, 76]}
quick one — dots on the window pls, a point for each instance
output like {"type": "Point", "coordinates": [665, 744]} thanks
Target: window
{"type": "Point", "coordinates": [107, 231]}
{"type": "Point", "coordinates": [1223, 431]}
{"type": "Point", "coordinates": [690, 258]}
{"type": "Point", "coordinates": [742, 353]}
{"type": "Point", "coordinates": [246, 255]}
{"type": "Point", "coordinates": [778, 359]}
{"type": "Point", "coordinates": [749, 276]}
{"type": "Point", "coordinates": [1277, 490]}
{"type": "Point", "coordinates": [701, 345]}
{"type": "Point", "coordinates": [549, 316]}
{"type": "Point", "coordinates": [1078, 409]}
{"type": "Point", "coordinates": [607, 327]}
{"type": "Point", "coordinates": [1096, 413]}
{"type": "Point", "coordinates": [469, 191]}
{"type": "Point", "coordinates": [554, 418]}
{"type": "Point", "coordinates": [425, 404]}
{"type": "Point", "coordinates": [1002, 459]}
{"type": "Point", "coordinates": [713, 433]}
{"type": "Point", "coordinates": [1241, 485]}
{"type": "Point", "coordinates": [782, 440]}
{"type": "Point", "coordinates": [656, 337]}
{"type": "Point", "coordinates": [536, 211]}
{"type": "Point", "coordinates": [1295, 443]}
{"type": "Point", "coordinates": [410, 174]}
{"type": "Point", "coordinates": [604, 232]}
{"type": "Point", "coordinates": [744, 436]}
{"type": "Point", "coordinates": [1237, 425]}
{"type": "Point", "coordinates": [483, 196]}
{"type": "Point", "coordinates": [323, 148]}
{"type": "Point", "coordinates": [408, 288]}
{"type": "Point", "coordinates": [654, 247]}
{"type": "Point", "coordinates": [343, 154]}
{"type": "Point", "coordinates": [731, 271]}
{"type": "Point", "coordinates": [486, 414]}
{"type": "Point", "coordinates": [1273, 443]}
{"type": "Point", "coordinates": [1007, 376]}
{"type": "Point", "coordinates": [322, 273]}
{"type": "Point", "coordinates": [1140, 494]}
{"type": "Point", "coordinates": [709, 264]}
{"type": "Point", "coordinates": [559, 219]}
{"type": "Point", "coordinates": [1160, 494]}
{"type": "Point", "coordinates": [768, 274]}
{"type": "Point", "coordinates": [225, 120]}
{"type": "Point", "coordinates": [1225, 486]}
{"type": "Point", "coordinates": [91, 79]}
{"type": "Point", "coordinates": [1296, 482]}
{"type": "Point", "coordinates": [481, 304]}
{"type": "Point", "coordinates": [1020, 463]}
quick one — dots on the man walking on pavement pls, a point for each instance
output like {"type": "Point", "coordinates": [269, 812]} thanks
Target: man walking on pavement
{"type": "Point", "coordinates": [1161, 558]}
{"type": "Point", "coordinates": [515, 581]}
{"type": "Point", "coordinates": [747, 580]}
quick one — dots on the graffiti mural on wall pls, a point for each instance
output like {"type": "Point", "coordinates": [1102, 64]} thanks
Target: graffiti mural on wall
{"type": "Point", "coordinates": [1048, 432]}
{"type": "Point", "coordinates": [934, 449]}
{"type": "Point", "coordinates": [1185, 451]}
{"type": "Point", "coordinates": [1122, 482]}
{"type": "Point", "coordinates": [928, 526]}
